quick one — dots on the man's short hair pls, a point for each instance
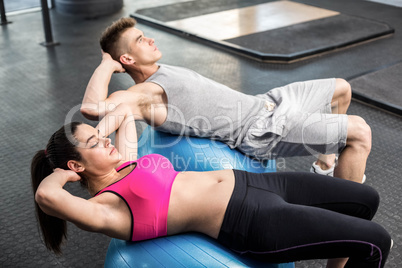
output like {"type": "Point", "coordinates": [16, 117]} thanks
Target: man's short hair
{"type": "Point", "coordinates": [110, 38]}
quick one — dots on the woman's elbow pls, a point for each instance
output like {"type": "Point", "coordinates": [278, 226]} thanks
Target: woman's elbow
{"type": "Point", "coordinates": [40, 196]}
{"type": "Point", "coordinates": [44, 200]}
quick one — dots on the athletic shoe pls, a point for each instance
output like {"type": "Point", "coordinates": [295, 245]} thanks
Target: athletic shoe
{"type": "Point", "coordinates": [328, 172]}
{"type": "Point", "coordinates": [317, 169]}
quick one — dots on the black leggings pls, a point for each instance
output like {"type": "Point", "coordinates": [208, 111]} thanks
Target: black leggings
{"type": "Point", "coordinates": [285, 217]}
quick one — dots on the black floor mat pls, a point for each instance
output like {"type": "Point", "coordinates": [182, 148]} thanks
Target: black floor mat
{"type": "Point", "coordinates": [384, 87]}
{"type": "Point", "coordinates": [286, 44]}
{"type": "Point", "coordinates": [179, 11]}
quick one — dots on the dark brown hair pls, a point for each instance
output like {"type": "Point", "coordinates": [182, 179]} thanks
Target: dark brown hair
{"type": "Point", "coordinates": [59, 150]}
{"type": "Point", "coordinates": [109, 40]}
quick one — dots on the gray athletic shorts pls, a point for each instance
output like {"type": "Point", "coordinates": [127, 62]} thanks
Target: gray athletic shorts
{"type": "Point", "coordinates": [297, 121]}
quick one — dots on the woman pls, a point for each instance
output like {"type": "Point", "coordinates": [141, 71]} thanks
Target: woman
{"type": "Point", "coordinates": [277, 217]}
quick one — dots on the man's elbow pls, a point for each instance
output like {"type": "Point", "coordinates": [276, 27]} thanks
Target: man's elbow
{"type": "Point", "coordinates": [90, 113]}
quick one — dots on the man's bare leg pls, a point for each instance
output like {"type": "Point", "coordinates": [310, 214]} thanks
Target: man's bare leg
{"type": "Point", "coordinates": [340, 104]}
{"type": "Point", "coordinates": [352, 161]}
{"type": "Point", "coordinates": [337, 263]}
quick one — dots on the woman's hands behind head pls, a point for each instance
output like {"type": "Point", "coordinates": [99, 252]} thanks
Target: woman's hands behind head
{"type": "Point", "coordinates": [70, 175]}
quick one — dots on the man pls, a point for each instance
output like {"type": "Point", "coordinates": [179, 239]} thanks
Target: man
{"type": "Point", "coordinates": [298, 119]}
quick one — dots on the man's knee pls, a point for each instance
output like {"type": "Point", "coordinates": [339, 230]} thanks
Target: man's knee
{"type": "Point", "coordinates": [343, 90]}
{"type": "Point", "coordinates": [359, 132]}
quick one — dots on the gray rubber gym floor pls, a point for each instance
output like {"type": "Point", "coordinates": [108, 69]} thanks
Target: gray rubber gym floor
{"type": "Point", "coordinates": [39, 86]}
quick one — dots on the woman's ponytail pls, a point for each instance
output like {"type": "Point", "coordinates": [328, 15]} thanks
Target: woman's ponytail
{"type": "Point", "coordinates": [54, 230]}
{"type": "Point", "coordinates": [60, 149]}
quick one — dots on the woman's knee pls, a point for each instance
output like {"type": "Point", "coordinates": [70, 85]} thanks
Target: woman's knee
{"type": "Point", "coordinates": [375, 245]}
{"type": "Point", "coordinates": [370, 199]}
{"type": "Point", "coordinates": [359, 132]}
{"type": "Point", "coordinates": [381, 239]}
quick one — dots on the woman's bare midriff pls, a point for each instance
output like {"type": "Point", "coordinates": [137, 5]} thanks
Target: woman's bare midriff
{"type": "Point", "coordinates": [198, 201]}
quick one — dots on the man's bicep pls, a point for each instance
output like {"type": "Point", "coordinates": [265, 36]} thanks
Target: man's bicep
{"type": "Point", "coordinates": [118, 97]}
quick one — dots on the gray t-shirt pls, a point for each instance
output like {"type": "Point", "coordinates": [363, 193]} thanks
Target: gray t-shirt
{"type": "Point", "coordinates": [198, 106]}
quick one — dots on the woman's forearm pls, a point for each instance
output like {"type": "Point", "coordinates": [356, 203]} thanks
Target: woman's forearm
{"type": "Point", "coordinates": [51, 195]}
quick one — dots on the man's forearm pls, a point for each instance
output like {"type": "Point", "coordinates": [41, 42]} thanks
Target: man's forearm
{"type": "Point", "coordinates": [97, 92]}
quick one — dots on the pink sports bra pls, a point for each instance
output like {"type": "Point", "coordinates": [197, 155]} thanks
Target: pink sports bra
{"type": "Point", "coordinates": [146, 191]}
